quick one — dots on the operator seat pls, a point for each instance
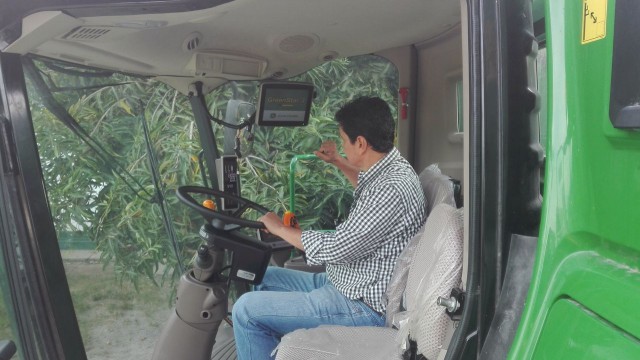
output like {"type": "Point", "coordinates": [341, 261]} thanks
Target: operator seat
{"type": "Point", "coordinates": [435, 269]}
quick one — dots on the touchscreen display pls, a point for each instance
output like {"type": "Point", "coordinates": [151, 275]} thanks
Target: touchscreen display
{"type": "Point", "coordinates": [284, 104]}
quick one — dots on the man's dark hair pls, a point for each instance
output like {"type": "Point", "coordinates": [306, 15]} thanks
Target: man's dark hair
{"type": "Point", "coordinates": [369, 117]}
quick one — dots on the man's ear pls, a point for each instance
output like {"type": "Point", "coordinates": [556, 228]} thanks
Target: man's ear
{"type": "Point", "coordinates": [361, 144]}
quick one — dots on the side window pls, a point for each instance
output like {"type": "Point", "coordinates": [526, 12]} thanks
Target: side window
{"type": "Point", "coordinates": [102, 137]}
{"type": "Point", "coordinates": [455, 107]}
{"type": "Point", "coordinates": [541, 74]}
{"type": "Point", "coordinates": [459, 106]}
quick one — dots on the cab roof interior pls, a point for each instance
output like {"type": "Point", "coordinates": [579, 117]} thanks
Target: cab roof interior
{"type": "Point", "coordinates": [221, 41]}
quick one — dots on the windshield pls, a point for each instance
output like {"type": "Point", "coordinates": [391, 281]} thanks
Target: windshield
{"type": "Point", "coordinates": [113, 149]}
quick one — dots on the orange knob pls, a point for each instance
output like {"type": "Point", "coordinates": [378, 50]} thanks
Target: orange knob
{"type": "Point", "coordinates": [289, 219]}
{"type": "Point", "coordinates": [209, 204]}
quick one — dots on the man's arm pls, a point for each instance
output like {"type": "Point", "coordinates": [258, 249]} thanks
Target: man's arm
{"type": "Point", "coordinates": [328, 152]}
{"type": "Point", "coordinates": [374, 220]}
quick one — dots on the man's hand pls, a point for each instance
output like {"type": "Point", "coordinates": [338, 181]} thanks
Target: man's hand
{"type": "Point", "coordinates": [274, 225]}
{"type": "Point", "coordinates": [328, 152]}
{"type": "Point", "coordinates": [272, 222]}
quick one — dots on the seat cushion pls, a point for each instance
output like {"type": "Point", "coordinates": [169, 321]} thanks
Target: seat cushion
{"type": "Point", "coordinates": [340, 342]}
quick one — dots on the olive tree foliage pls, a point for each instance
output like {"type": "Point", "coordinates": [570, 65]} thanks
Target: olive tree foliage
{"type": "Point", "coordinates": [100, 181]}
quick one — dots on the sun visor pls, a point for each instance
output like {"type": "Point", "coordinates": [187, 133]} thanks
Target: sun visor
{"type": "Point", "coordinates": [226, 65]}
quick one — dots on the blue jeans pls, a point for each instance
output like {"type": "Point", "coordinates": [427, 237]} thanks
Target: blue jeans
{"type": "Point", "coordinates": [288, 300]}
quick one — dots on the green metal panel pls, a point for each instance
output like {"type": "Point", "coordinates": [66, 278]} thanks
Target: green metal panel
{"type": "Point", "coordinates": [589, 249]}
{"type": "Point", "coordinates": [576, 333]}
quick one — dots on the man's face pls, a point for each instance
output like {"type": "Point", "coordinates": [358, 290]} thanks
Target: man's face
{"type": "Point", "coordinates": [348, 148]}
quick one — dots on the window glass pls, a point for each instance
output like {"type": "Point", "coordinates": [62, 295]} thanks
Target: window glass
{"type": "Point", "coordinates": [541, 73]}
{"type": "Point", "coordinates": [120, 262]}
{"type": "Point", "coordinates": [113, 146]}
{"type": "Point", "coordinates": [459, 106]}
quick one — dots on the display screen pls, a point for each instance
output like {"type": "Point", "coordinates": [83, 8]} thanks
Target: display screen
{"type": "Point", "coordinates": [284, 104]}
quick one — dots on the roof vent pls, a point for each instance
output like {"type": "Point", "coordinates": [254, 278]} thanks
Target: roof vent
{"type": "Point", "coordinates": [297, 43]}
{"type": "Point", "coordinates": [87, 33]}
{"type": "Point", "coordinates": [329, 56]}
{"type": "Point", "coordinates": [192, 42]}
{"type": "Point", "coordinates": [278, 74]}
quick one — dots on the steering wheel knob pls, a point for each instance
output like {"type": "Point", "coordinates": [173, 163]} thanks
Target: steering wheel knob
{"type": "Point", "coordinates": [219, 219]}
{"type": "Point", "coordinates": [209, 204]}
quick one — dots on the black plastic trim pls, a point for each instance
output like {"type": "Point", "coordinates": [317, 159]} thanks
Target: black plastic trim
{"type": "Point", "coordinates": [505, 158]}
{"type": "Point", "coordinates": [205, 132]}
{"type": "Point", "coordinates": [539, 30]}
{"type": "Point", "coordinates": [493, 147]}
{"type": "Point", "coordinates": [7, 349]}
{"type": "Point", "coordinates": [514, 293]}
{"type": "Point", "coordinates": [511, 199]}
{"type": "Point", "coordinates": [6, 141]}
{"type": "Point", "coordinates": [524, 154]}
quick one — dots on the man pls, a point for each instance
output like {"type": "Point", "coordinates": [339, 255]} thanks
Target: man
{"type": "Point", "coordinates": [388, 209]}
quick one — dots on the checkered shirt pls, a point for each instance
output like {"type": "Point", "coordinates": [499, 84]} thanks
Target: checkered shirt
{"type": "Point", "coordinates": [388, 209]}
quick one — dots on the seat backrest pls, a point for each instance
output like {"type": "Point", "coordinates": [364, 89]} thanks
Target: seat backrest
{"type": "Point", "coordinates": [436, 268]}
{"type": "Point", "coordinates": [438, 189]}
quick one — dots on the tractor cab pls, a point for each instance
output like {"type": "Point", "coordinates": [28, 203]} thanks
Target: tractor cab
{"type": "Point", "coordinates": [141, 141]}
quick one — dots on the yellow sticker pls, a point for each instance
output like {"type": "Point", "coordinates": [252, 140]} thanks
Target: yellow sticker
{"type": "Point", "coordinates": [594, 20]}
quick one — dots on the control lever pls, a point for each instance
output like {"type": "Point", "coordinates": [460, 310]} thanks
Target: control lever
{"type": "Point", "coordinates": [203, 267]}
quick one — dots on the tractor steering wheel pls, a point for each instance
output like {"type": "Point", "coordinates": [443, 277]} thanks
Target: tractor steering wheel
{"type": "Point", "coordinates": [183, 193]}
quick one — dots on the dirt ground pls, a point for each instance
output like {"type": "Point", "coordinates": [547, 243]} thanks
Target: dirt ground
{"type": "Point", "coordinates": [131, 337]}
{"type": "Point", "coordinates": [116, 321]}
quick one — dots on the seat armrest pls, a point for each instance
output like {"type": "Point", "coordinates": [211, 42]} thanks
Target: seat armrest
{"type": "Point", "coordinates": [298, 263]}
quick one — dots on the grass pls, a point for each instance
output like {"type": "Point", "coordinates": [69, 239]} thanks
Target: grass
{"type": "Point", "coordinates": [6, 332]}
